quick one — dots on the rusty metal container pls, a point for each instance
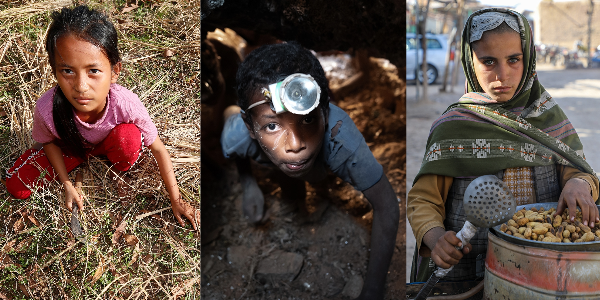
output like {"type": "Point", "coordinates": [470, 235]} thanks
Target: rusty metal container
{"type": "Point", "coordinates": [533, 271]}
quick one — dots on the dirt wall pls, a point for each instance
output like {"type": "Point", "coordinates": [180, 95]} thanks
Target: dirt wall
{"type": "Point", "coordinates": [378, 26]}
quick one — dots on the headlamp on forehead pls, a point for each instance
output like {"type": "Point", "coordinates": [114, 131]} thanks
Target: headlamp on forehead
{"type": "Point", "coordinates": [297, 93]}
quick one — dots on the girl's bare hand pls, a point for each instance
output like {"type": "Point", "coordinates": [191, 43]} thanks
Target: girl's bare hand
{"type": "Point", "coordinates": [72, 195]}
{"type": "Point", "coordinates": [181, 207]}
{"type": "Point", "coordinates": [577, 193]}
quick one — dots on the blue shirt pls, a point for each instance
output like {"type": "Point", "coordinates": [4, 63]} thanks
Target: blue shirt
{"type": "Point", "coordinates": [346, 154]}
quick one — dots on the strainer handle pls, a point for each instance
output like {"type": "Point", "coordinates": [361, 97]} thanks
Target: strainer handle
{"type": "Point", "coordinates": [464, 235]}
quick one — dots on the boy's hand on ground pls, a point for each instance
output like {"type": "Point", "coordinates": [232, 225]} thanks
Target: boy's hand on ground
{"type": "Point", "coordinates": [253, 202]}
{"type": "Point", "coordinates": [72, 195]}
{"type": "Point", "coordinates": [181, 207]}
{"type": "Point", "coordinates": [577, 193]}
{"type": "Point", "coordinates": [445, 254]}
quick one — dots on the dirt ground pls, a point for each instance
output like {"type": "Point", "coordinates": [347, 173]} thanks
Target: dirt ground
{"type": "Point", "coordinates": [330, 248]}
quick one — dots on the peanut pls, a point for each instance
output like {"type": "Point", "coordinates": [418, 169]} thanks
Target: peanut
{"type": "Point", "coordinates": [538, 218]}
{"type": "Point", "coordinates": [559, 231]}
{"type": "Point", "coordinates": [583, 227]}
{"type": "Point", "coordinates": [574, 236]}
{"type": "Point", "coordinates": [557, 221]}
{"type": "Point", "coordinates": [587, 237]}
{"type": "Point", "coordinates": [533, 224]}
{"type": "Point", "coordinates": [528, 233]}
{"type": "Point", "coordinates": [540, 230]}
{"type": "Point", "coordinates": [521, 222]}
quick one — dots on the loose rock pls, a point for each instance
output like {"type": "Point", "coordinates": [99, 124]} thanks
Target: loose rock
{"type": "Point", "coordinates": [280, 265]}
{"type": "Point", "coordinates": [353, 287]}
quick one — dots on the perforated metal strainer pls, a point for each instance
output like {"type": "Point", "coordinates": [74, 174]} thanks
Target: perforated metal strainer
{"type": "Point", "coordinates": [488, 202]}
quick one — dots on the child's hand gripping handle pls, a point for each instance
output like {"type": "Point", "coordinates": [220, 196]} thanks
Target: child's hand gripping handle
{"type": "Point", "coordinates": [464, 235]}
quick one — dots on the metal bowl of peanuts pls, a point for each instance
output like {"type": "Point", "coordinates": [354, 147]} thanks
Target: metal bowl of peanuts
{"type": "Point", "coordinates": [537, 225]}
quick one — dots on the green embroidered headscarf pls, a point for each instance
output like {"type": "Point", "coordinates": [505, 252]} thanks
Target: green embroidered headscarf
{"type": "Point", "coordinates": [478, 136]}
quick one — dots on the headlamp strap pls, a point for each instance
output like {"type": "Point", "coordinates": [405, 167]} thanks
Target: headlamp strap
{"type": "Point", "coordinates": [257, 104]}
{"type": "Point", "coordinates": [265, 93]}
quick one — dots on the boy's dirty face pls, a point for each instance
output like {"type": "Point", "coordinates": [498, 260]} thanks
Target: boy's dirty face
{"type": "Point", "coordinates": [292, 142]}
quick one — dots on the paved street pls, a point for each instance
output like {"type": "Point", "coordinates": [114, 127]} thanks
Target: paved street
{"type": "Point", "coordinates": [576, 91]}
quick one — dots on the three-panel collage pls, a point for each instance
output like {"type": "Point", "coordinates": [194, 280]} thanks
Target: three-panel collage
{"type": "Point", "coordinates": [299, 149]}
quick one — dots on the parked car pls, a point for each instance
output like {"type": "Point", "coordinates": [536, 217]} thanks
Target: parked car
{"type": "Point", "coordinates": [437, 49]}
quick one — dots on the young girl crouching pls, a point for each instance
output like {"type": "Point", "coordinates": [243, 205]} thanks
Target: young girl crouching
{"type": "Point", "coordinates": [88, 114]}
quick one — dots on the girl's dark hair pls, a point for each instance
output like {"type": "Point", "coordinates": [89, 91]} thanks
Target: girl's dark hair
{"type": "Point", "coordinates": [273, 63]}
{"type": "Point", "coordinates": [91, 26]}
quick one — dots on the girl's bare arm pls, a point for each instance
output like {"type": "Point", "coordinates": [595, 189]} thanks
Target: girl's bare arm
{"type": "Point", "coordinates": [55, 157]}
{"type": "Point", "coordinates": [180, 206]}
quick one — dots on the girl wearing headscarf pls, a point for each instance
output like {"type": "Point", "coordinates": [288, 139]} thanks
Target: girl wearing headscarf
{"type": "Point", "coordinates": [506, 125]}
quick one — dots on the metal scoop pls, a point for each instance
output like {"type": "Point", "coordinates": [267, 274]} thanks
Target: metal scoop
{"type": "Point", "coordinates": [487, 202]}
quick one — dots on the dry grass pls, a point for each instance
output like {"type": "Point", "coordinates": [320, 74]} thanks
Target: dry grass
{"type": "Point", "coordinates": [153, 257]}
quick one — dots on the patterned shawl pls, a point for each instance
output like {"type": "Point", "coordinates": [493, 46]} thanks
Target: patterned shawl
{"type": "Point", "coordinates": [478, 136]}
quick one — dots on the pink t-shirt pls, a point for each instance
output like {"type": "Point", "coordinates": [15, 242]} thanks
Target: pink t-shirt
{"type": "Point", "coordinates": [122, 106]}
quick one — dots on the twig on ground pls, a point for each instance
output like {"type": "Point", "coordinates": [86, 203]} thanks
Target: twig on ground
{"type": "Point", "coordinates": [108, 286]}
{"type": "Point", "coordinates": [139, 217]}
{"type": "Point", "coordinates": [48, 263]}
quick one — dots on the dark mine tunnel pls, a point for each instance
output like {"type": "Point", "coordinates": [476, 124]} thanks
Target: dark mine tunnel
{"type": "Point", "coordinates": [317, 249]}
